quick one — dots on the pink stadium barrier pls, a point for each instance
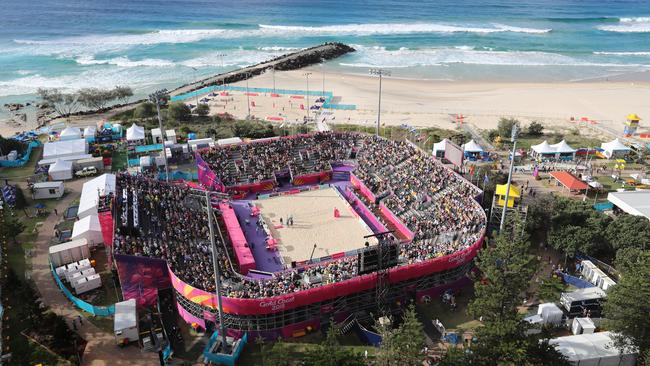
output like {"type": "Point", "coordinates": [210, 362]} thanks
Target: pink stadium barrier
{"type": "Point", "coordinates": [293, 300]}
{"type": "Point", "coordinates": [189, 317]}
{"type": "Point", "coordinates": [240, 246]}
{"type": "Point", "coordinates": [265, 185]}
{"type": "Point", "coordinates": [365, 211]}
{"type": "Point", "coordinates": [312, 178]}
{"type": "Point", "coordinates": [362, 187]}
{"type": "Point", "coordinates": [399, 225]}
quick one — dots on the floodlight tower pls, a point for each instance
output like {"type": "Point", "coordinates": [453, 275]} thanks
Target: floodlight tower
{"type": "Point", "coordinates": [380, 73]}
{"type": "Point", "coordinates": [513, 138]}
{"type": "Point", "coordinates": [159, 97]}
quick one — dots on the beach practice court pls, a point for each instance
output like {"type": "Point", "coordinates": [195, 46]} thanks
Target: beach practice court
{"type": "Point", "coordinates": [314, 223]}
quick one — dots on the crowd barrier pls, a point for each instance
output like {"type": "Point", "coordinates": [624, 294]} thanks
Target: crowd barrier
{"type": "Point", "coordinates": [223, 359]}
{"type": "Point", "coordinates": [293, 191]}
{"type": "Point", "coordinates": [218, 88]}
{"type": "Point", "coordinates": [89, 308]}
{"type": "Point", "coordinates": [364, 212]}
{"type": "Point", "coordinates": [312, 178]}
{"type": "Point", "coordinates": [24, 159]}
{"type": "Point", "coordinates": [148, 148]}
{"type": "Point", "coordinates": [399, 225]}
{"type": "Point", "coordinates": [362, 188]}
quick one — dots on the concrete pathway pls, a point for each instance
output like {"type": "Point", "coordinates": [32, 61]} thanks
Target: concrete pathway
{"type": "Point", "coordinates": [101, 349]}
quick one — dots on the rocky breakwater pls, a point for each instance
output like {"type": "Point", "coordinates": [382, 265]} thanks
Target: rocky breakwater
{"type": "Point", "coordinates": [292, 61]}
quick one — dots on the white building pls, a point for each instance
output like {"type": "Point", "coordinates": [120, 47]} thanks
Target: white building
{"type": "Point", "coordinates": [156, 136]}
{"type": "Point", "coordinates": [593, 349]}
{"type": "Point", "coordinates": [632, 202]}
{"type": "Point", "coordinates": [68, 148]}
{"type": "Point", "coordinates": [90, 229]}
{"type": "Point", "coordinates": [102, 185]}
{"type": "Point", "coordinates": [60, 170]}
{"type": "Point", "coordinates": [48, 190]}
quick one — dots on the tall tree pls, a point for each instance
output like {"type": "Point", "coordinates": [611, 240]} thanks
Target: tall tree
{"type": "Point", "coordinates": [122, 93]}
{"type": "Point", "coordinates": [629, 231]}
{"type": "Point", "coordinates": [330, 353]}
{"type": "Point", "coordinates": [63, 104]}
{"type": "Point", "coordinates": [94, 98]}
{"type": "Point", "coordinates": [627, 307]}
{"type": "Point", "coordinates": [402, 345]}
{"type": "Point", "coordinates": [10, 226]}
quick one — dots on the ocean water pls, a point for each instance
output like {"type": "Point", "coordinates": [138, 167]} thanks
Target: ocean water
{"type": "Point", "coordinates": [147, 44]}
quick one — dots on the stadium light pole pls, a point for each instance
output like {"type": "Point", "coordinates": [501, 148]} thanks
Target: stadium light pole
{"type": "Point", "coordinates": [217, 274]}
{"type": "Point", "coordinates": [380, 73]}
{"type": "Point", "coordinates": [307, 74]}
{"type": "Point", "coordinates": [513, 138]}
{"type": "Point", "coordinates": [157, 98]}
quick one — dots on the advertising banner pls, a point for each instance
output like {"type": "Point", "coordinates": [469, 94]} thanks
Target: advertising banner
{"type": "Point", "coordinates": [141, 277]}
{"type": "Point", "coordinates": [207, 177]}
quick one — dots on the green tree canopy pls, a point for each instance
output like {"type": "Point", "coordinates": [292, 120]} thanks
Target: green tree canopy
{"type": "Point", "coordinates": [330, 353]}
{"type": "Point", "coordinates": [535, 129]}
{"type": "Point", "coordinates": [145, 110]}
{"type": "Point", "coordinates": [504, 127]}
{"type": "Point", "coordinates": [202, 110]}
{"type": "Point", "coordinates": [402, 345]}
{"type": "Point", "coordinates": [627, 307]}
{"type": "Point", "coordinates": [178, 111]}
{"type": "Point", "coordinates": [629, 231]}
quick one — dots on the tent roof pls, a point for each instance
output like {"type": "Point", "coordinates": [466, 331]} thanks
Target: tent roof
{"type": "Point", "coordinates": [587, 346]}
{"type": "Point", "coordinates": [60, 166]}
{"type": "Point", "coordinates": [88, 223]}
{"type": "Point", "coordinates": [569, 180]}
{"type": "Point", "coordinates": [501, 191]}
{"type": "Point", "coordinates": [440, 146]}
{"type": "Point", "coordinates": [632, 202]}
{"type": "Point", "coordinates": [90, 131]}
{"type": "Point", "coordinates": [563, 147]}
{"type": "Point", "coordinates": [156, 132]}
{"type": "Point", "coordinates": [70, 131]}
{"type": "Point", "coordinates": [614, 145]}
{"type": "Point", "coordinates": [472, 146]}
{"type": "Point", "coordinates": [543, 148]}
{"type": "Point", "coordinates": [105, 184]}
{"type": "Point", "coordinates": [67, 147]}
{"type": "Point", "coordinates": [135, 133]}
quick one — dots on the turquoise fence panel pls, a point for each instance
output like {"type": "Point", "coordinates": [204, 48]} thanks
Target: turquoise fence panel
{"type": "Point", "coordinates": [603, 206]}
{"type": "Point", "coordinates": [89, 308]}
{"type": "Point", "coordinates": [148, 148]}
{"type": "Point", "coordinates": [180, 175]}
{"type": "Point", "coordinates": [217, 88]}
{"type": "Point", "coordinates": [24, 159]}
{"type": "Point", "coordinates": [134, 162]}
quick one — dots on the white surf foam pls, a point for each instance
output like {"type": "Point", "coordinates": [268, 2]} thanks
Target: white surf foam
{"type": "Point", "coordinates": [124, 62]}
{"type": "Point", "coordinates": [637, 53]}
{"type": "Point", "coordinates": [397, 28]}
{"type": "Point", "coordinates": [629, 25]}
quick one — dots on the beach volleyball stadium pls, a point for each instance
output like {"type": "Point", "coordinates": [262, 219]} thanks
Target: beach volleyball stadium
{"type": "Point", "coordinates": [306, 229]}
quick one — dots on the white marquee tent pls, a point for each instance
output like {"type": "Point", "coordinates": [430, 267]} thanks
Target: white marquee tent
{"type": "Point", "coordinates": [60, 170]}
{"type": "Point", "coordinates": [563, 148]}
{"type": "Point", "coordinates": [90, 131]}
{"type": "Point", "coordinates": [60, 149]}
{"type": "Point", "coordinates": [88, 228]}
{"type": "Point", "coordinates": [135, 133]}
{"type": "Point", "coordinates": [593, 349]}
{"type": "Point", "coordinates": [104, 184]}
{"type": "Point", "coordinates": [70, 133]}
{"type": "Point", "coordinates": [543, 149]}
{"type": "Point", "coordinates": [614, 149]}
{"type": "Point", "coordinates": [439, 148]}
{"type": "Point", "coordinates": [472, 147]}
{"type": "Point", "coordinates": [557, 151]}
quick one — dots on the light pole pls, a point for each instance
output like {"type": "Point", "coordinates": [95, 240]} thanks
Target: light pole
{"type": "Point", "coordinates": [196, 91]}
{"type": "Point", "coordinates": [513, 138]}
{"type": "Point", "coordinates": [307, 74]}
{"type": "Point", "coordinates": [157, 98]}
{"type": "Point", "coordinates": [380, 73]}
{"type": "Point", "coordinates": [248, 96]}
{"type": "Point", "coordinates": [223, 82]}
{"type": "Point", "coordinates": [217, 274]}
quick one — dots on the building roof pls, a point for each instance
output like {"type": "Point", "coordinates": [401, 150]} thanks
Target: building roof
{"type": "Point", "coordinates": [104, 184]}
{"type": "Point", "coordinates": [60, 166]}
{"type": "Point", "coordinates": [501, 191]}
{"type": "Point", "coordinates": [46, 185]}
{"type": "Point", "coordinates": [70, 132]}
{"type": "Point", "coordinates": [589, 293]}
{"type": "Point", "coordinates": [66, 147]}
{"type": "Point", "coordinates": [90, 131]}
{"type": "Point", "coordinates": [569, 181]}
{"type": "Point", "coordinates": [632, 202]}
{"type": "Point", "coordinates": [156, 132]}
{"type": "Point", "coordinates": [67, 245]}
{"type": "Point", "coordinates": [633, 117]}
{"type": "Point", "coordinates": [88, 223]}
{"type": "Point", "coordinates": [229, 141]}
{"type": "Point", "coordinates": [440, 146]}
{"type": "Point", "coordinates": [588, 346]}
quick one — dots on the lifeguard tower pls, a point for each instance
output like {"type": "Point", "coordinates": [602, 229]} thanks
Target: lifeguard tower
{"type": "Point", "coordinates": [514, 205]}
{"type": "Point", "coordinates": [631, 124]}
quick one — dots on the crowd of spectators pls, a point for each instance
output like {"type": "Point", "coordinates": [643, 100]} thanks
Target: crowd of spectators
{"type": "Point", "coordinates": [434, 203]}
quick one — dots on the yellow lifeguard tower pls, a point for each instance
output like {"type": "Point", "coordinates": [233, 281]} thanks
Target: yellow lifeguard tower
{"type": "Point", "coordinates": [501, 195]}
{"type": "Point", "coordinates": [631, 124]}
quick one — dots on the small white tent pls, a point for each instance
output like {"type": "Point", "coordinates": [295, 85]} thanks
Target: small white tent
{"type": "Point", "coordinates": [89, 133]}
{"type": "Point", "coordinates": [70, 133]}
{"type": "Point", "coordinates": [60, 170]}
{"type": "Point", "coordinates": [472, 147]}
{"type": "Point", "coordinates": [135, 133]}
{"type": "Point", "coordinates": [102, 185]}
{"type": "Point", "coordinates": [156, 136]}
{"type": "Point", "coordinates": [614, 149]}
{"type": "Point", "coordinates": [90, 229]}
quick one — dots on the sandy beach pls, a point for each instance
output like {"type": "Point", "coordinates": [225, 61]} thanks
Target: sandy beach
{"type": "Point", "coordinates": [424, 103]}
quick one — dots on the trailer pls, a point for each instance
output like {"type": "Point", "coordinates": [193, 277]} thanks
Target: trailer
{"type": "Point", "coordinates": [125, 325]}
{"type": "Point", "coordinates": [72, 251]}
{"type": "Point", "coordinates": [85, 284]}
{"type": "Point", "coordinates": [583, 302]}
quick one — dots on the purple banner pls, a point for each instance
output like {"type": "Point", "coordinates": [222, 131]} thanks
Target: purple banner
{"type": "Point", "coordinates": [207, 177]}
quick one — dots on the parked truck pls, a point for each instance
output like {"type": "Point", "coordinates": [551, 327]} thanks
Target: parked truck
{"type": "Point", "coordinates": [126, 322]}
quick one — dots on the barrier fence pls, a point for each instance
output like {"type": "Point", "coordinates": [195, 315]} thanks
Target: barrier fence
{"type": "Point", "coordinates": [23, 160]}
{"type": "Point", "coordinates": [89, 308]}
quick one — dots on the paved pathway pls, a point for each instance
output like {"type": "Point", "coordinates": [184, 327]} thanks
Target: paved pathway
{"type": "Point", "coordinates": [101, 348]}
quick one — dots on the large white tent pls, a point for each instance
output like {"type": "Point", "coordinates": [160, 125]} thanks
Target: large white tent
{"type": "Point", "coordinates": [88, 228]}
{"type": "Point", "coordinates": [563, 148]}
{"type": "Point", "coordinates": [614, 149]}
{"type": "Point", "coordinates": [556, 151]}
{"type": "Point", "coordinates": [89, 133]}
{"type": "Point", "coordinates": [70, 133]}
{"type": "Point", "coordinates": [60, 149]}
{"type": "Point", "coordinates": [472, 147]}
{"type": "Point", "coordinates": [439, 148]}
{"type": "Point", "coordinates": [135, 133]}
{"type": "Point", "coordinates": [593, 349]}
{"type": "Point", "coordinates": [102, 185]}
{"type": "Point", "coordinates": [632, 202]}
{"type": "Point", "coordinates": [60, 170]}
{"type": "Point", "coordinates": [543, 149]}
